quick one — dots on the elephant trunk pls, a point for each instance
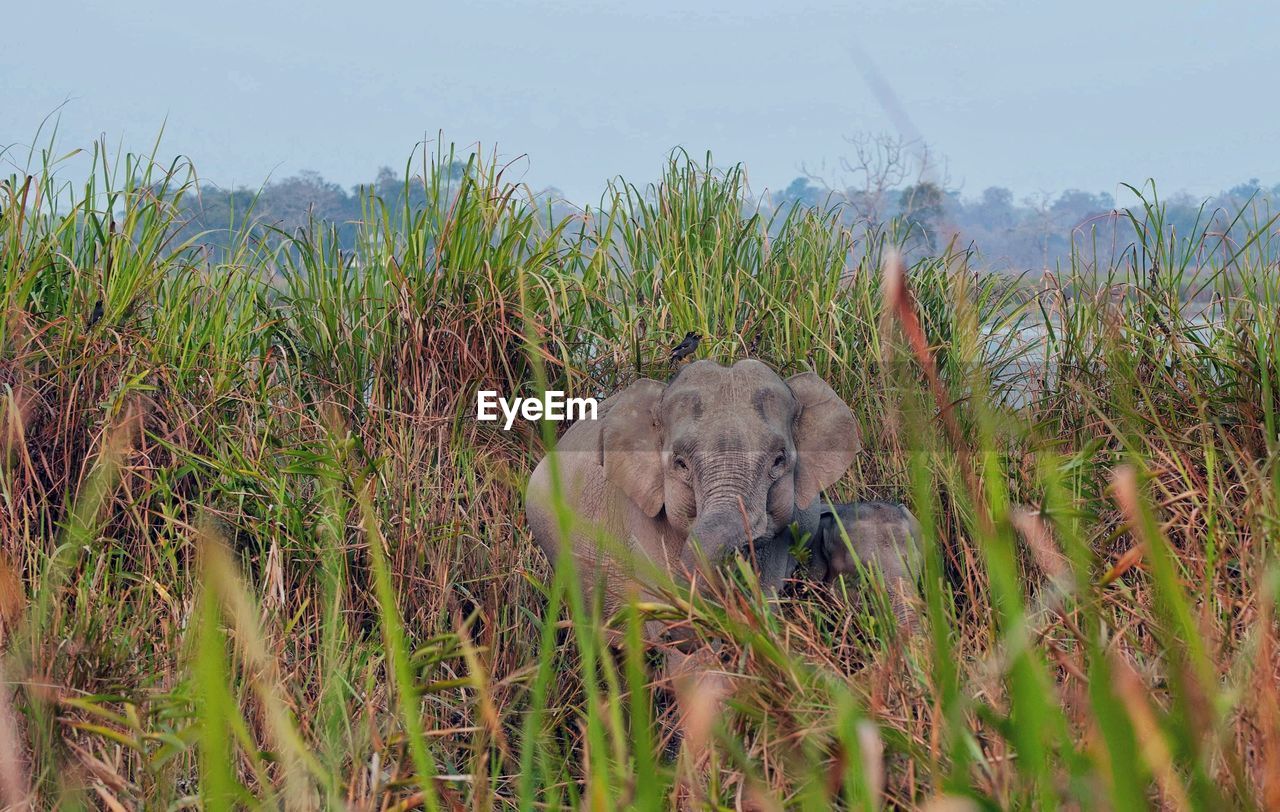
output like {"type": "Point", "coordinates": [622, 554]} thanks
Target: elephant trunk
{"type": "Point", "coordinates": [721, 531]}
{"type": "Point", "coordinates": [731, 507]}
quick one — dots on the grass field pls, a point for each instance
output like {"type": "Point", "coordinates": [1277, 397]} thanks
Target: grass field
{"type": "Point", "coordinates": [256, 550]}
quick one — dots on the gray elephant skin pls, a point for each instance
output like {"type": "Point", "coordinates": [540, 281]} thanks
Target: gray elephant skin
{"type": "Point", "coordinates": [720, 458]}
{"type": "Point", "coordinates": [863, 536]}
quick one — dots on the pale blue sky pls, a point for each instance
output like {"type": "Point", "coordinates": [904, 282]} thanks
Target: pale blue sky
{"type": "Point", "coordinates": [1034, 96]}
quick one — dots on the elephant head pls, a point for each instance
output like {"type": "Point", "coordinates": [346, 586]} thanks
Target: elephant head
{"type": "Point", "coordinates": [730, 454]}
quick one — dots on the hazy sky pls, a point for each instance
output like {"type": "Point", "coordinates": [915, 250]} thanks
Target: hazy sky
{"type": "Point", "coordinates": [1034, 96]}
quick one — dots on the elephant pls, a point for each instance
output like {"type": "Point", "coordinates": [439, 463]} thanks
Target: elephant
{"type": "Point", "coordinates": [880, 536]}
{"type": "Point", "coordinates": [681, 475]}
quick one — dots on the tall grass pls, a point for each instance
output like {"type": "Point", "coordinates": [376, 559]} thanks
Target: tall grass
{"type": "Point", "coordinates": [266, 555]}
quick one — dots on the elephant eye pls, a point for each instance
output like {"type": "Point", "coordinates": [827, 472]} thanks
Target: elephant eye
{"type": "Point", "coordinates": [780, 461]}
{"type": "Point", "coordinates": [680, 464]}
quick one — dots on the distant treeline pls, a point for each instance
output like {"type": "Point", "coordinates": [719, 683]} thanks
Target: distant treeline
{"type": "Point", "coordinates": [1039, 233]}
{"type": "Point", "coordinates": [1006, 234]}
{"type": "Point", "coordinates": [303, 201]}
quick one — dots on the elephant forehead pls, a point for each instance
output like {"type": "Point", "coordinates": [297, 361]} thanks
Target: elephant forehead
{"type": "Point", "coordinates": [717, 439]}
{"type": "Point", "coordinates": [752, 420]}
{"type": "Point", "coordinates": [705, 387]}
{"type": "Point", "coordinates": [774, 404]}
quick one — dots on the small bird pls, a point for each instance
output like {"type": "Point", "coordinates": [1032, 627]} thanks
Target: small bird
{"type": "Point", "coordinates": [686, 347]}
{"type": "Point", "coordinates": [95, 316]}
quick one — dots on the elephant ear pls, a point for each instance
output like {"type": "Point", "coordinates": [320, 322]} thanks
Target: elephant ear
{"type": "Point", "coordinates": [826, 436]}
{"type": "Point", "coordinates": [631, 447]}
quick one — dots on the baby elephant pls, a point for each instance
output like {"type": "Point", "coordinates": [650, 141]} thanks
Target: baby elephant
{"type": "Point", "coordinates": [881, 535]}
